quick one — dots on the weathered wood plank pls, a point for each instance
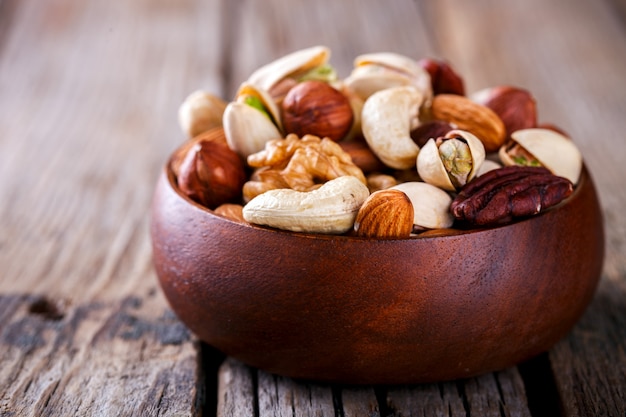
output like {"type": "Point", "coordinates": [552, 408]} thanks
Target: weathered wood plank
{"type": "Point", "coordinates": [89, 98]}
{"type": "Point", "coordinates": [236, 390]}
{"type": "Point", "coordinates": [245, 391]}
{"type": "Point", "coordinates": [280, 396]}
{"type": "Point", "coordinates": [89, 94]}
{"type": "Point", "coordinates": [127, 358]}
{"type": "Point", "coordinates": [359, 402]}
{"type": "Point", "coordinates": [495, 394]}
{"type": "Point", "coordinates": [590, 365]}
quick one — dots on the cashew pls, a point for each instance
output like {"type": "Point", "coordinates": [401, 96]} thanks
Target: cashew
{"type": "Point", "coordinates": [330, 209]}
{"type": "Point", "coordinates": [387, 119]}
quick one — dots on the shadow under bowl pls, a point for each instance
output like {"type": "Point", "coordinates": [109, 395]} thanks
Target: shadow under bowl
{"type": "Point", "coordinates": [365, 311]}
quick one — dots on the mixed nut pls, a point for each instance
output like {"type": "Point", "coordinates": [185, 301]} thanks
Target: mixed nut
{"type": "Point", "coordinates": [394, 150]}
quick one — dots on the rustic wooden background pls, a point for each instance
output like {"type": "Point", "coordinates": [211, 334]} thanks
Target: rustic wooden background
{"type": "Point", "coordinates": [88, 97]}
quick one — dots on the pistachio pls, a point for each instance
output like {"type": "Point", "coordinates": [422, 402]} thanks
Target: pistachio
{"type": "Point", "coordinates": [251, 120]}
{"type": "Point", "coordinates": [543, 147]}
{"type": "Point", "coordinates": [449, 162]}
{"type": "Point", "coordinates": [280, 75]}
{"type": "Point", "coordinates": [378, 71]}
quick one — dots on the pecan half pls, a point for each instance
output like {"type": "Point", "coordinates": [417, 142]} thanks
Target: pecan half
{"type": "Point", "coordinates": [503, 194]}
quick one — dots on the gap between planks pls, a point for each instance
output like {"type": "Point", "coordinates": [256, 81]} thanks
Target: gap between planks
{"type": "Point", "coordinates": [527, 390]}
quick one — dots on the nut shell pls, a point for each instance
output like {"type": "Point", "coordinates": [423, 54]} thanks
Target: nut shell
{"type": "Point", "coordinates": [553, 150]}
{"type": "Point", "coordinates": [431, 168]}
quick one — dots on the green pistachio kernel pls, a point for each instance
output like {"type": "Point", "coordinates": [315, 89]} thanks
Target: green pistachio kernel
{"type": "Point", "coordinates": [457, 160]}
{"type": "Point", "coordinates": [256, 103]}
{"type": "Point", "coordinates": [522, 160]}
{"type": "Point", "coordinates": [322, 73]}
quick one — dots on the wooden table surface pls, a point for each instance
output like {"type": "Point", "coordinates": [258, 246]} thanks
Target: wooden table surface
{"type": "Point", "coordinates": [89, 92]}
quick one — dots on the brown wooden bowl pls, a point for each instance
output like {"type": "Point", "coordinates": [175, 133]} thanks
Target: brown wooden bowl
{"type": "Point", "coordinates": [364, 311]}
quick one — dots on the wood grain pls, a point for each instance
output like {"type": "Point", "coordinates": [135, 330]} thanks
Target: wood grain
{"type": "Point", "coordinates": [88, 99]}
{"type": "Point", "coordinates": [94, 359]}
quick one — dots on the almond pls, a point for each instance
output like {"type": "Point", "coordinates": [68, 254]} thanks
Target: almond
{"type": "Point", "coordinates": [471, 116]}
{"type": "Point", "coordinates": [385, 214]}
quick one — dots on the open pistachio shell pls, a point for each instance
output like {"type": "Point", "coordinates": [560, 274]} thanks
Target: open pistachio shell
{"type": "Point", "coordinates": [553, 150]}
{"type": "Point", "coordinates": [377, 71]}
{"type": "Point", "coordinates": [430, 166]}
{"type": "Point", "coordinates": [248, 128]}
{"type": "Point", "coordinates": [300, 61]}
{"type": "Point", "coordinates": [431, 205]}
{"type": "Point", "coordinates": [249, 90]}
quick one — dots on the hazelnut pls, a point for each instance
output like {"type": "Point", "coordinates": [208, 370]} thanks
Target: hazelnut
{"type": "Point", "coordinates": [443, 78]}
{"type": "Point", "coordinates": [211, 173]}
{"type": "Point", "coordinates": [316, 108]}
{"type": "Point", "coordinates": [515, 106]}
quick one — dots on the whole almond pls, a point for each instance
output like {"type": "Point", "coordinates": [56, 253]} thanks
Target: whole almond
{"type": "Point", "coordinates": [468, 115]}
{"type": "Point", "coordinates": [385, 214]}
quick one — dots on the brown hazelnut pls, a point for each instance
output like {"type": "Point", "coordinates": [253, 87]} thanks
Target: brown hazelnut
{"type": "Point", "coordinates": [443, 79]}
{"type": "Point", "coordinates": [211, 173]}
{"type": "Point", "coordinates": [515, 106]}
{"type": "Point", "coordinates": [316, 108]}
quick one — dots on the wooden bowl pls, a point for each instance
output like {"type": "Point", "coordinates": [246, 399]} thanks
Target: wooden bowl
{"type": "Point", "coordinates": [364, 311]}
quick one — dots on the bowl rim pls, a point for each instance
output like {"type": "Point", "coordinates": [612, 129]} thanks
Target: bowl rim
{"type": "Point", "coordinates": [453, 231]}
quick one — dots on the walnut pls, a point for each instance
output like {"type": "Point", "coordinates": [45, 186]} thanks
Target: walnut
{"type": "Point", "coordinates": [301, 164]}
